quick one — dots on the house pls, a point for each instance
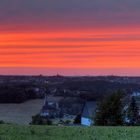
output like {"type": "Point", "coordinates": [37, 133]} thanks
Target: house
{"type": "Point", "coordinates": [88, 114]}
{"type": "Point", "coordinates": [135, 94]}
{"type": "Point", "coordinates": [51, 107]}
{"type": "Point", "coordinates": [72, 105]}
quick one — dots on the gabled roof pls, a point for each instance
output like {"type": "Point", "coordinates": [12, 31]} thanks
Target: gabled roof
{"type": "Point", "coordinates": [89, 109]}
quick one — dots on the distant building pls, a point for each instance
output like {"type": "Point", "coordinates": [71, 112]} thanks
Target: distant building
{"type": "Point", "coordinates": [88, 114]}
{"type": "Point", "coordinates": [50, 110]}
{"type": "Point", "coordinates": [51, 107]}
{"type": "Point", "coordinates": [135, 94]}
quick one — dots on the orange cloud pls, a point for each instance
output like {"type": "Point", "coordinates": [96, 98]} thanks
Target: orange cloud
{"type": "Point", "coordinates": [71, 49]}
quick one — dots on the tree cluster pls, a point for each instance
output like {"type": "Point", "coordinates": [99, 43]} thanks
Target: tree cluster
{"type": "Point", "coordinates": [132, 113]}
{"type": "Point", "coordinates": [17, 94]}
{"type": "Point", "coordinates": [110, 111]}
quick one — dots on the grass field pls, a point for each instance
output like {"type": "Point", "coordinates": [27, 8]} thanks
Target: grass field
{"type": "Point", "coordinates": [15, 132]}
{"type": "Point", "coordinates": [20, 113]}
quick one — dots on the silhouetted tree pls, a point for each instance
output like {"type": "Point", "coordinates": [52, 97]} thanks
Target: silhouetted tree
{"type": "Point", "coordinates": [109, 111]}
{"type": "Point", "coordinates": [133, 113]}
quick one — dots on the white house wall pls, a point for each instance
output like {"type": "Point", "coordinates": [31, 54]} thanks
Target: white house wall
{"type": "Point", "coordinates": [86, 121]}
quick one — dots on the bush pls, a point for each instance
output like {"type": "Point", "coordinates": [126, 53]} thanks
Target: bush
{"type": "Point", "coordinates": [77, 119]}
{"type": "Point", "coordinates": [2, 122]}
{"type": "Point", "coordinates": [40, 120]}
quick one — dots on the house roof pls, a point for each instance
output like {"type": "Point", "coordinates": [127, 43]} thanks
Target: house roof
{"type": "Point", "coordinates": [89, 109]}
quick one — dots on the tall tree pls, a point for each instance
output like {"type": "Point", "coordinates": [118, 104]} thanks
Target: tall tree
{"type": "Point", "coordinates": [109, 111]}
{"type": "Point", "coordinates": [133, 112]}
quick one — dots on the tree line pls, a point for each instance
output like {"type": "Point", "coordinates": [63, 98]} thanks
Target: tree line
{"type": "Point", "coordinates": [17, 94]}
{"type": "Point", "coordinates": [114, 111]}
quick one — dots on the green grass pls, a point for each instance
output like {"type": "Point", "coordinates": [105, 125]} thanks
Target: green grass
{"type": "Point", "coordinates": [16, 132]}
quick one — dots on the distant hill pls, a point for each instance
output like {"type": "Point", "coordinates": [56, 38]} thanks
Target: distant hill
{"type": "Point", "coordinates": [18, 89]}
{"type": "Point", "coordinates": [19, 93]}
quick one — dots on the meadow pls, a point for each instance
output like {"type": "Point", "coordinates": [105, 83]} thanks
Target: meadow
{"type": "Point", "coordinates": [18, 132]}
{"type": "Point", "coordinates": [20, 113]}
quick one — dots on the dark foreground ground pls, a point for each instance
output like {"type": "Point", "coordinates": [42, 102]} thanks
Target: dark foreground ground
{"type": "Point", "coordinates": [16, 132]}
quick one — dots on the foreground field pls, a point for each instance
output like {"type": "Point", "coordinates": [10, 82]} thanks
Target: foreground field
{"type": "Point", "coordinates": [15, 132]}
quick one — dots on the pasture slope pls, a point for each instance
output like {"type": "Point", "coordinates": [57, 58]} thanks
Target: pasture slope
{"type": "Point", "coordinates": [20, 113]}
{"type": "Point", "coordinates": [17, 132]}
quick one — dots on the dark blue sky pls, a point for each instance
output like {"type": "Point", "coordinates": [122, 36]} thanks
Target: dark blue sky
{"type": "Point", "coordinates": [66, 13]}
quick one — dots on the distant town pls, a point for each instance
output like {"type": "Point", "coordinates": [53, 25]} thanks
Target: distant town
{"type": "Point", "coordinates": [66, 98]}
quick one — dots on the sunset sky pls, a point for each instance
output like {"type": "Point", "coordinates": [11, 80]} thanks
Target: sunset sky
{"type": "Point", "coordinates": [70, 37]}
